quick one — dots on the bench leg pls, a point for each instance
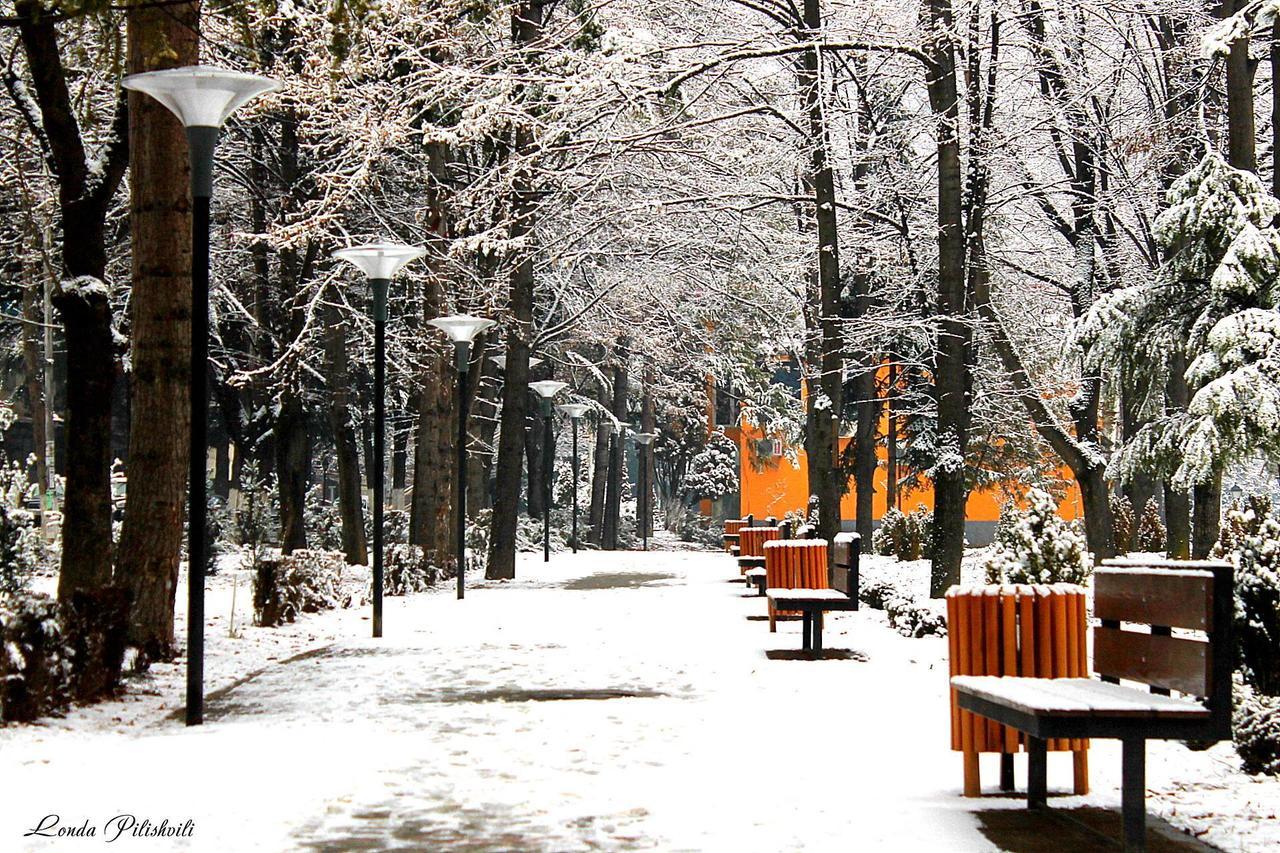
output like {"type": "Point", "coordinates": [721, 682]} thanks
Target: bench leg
{"type": "Point", "coordinates": [804, 629]}
{"type": "Point", "coordinates": [816, 627]}
{"type": "Point", "coordinates": [1133, 793]}
{"type": "Point", "coordinates": [1006, 771]}
{"type": "Point", "coordinates": [972, 775]}
{"type": "Point", "coordinates": [773, 619]}
{"type": "Point", "coordinates": [1080, 766]}
{"type": "Point", "coordinates": [1037, 772]}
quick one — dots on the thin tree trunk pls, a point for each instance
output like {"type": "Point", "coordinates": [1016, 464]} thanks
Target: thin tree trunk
{"type": "Point", "coordinates": [350, 505]}
{"type": "Point", "coordinates": [1206, 516]}
{"type": "Point", "coordinates": [618, 448]}
{"type": "Point", "coordinates": [293, 469]}
{"type": "Point", "coordinates": [951, 373]}
{"type": "Point", "coordinates": [1240, 119]}
{"type": "Point", "coordinates": [599, 481]}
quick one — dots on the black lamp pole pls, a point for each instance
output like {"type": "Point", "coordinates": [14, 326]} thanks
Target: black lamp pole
{"type": "Point", "coordinates": [380, 287]}
{"type": "Point", "coordinates": [200, 145]}
{"type": "Point", "coordinates": [574, 543]}
{"type": "Point", "coordinates": [462, 351]}
{"type": "Point", "coordinates": [644, 495]}
{"type": "Point", "coordinates": [548, 462]}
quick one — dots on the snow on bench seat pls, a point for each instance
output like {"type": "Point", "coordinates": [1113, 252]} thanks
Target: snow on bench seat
{"type": "Point", "coordinates": [792, 596]}
{"type": "Point", "coordinates": [1076, 697]}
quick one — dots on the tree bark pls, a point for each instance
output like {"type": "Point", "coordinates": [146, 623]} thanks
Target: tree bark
{"type": "Point", "coordinates": [433, 468]}
{"type": "Point", "coordinates": [160, 305]}
{"type": "Point", "coordinates": [484, 426]}
{"type": "Point", "coordinates": [824, 346]}
{"type": "Point", "coordinates": [350, 505]}
{"type": "Point", "coordinates": [599, 478]}
{"type": "Point", "coordinates": [1206, 516]}
{"type": "Point", "coordinates": [83, 306]}
{"type": "Point", "coordinates": [951, 372]}
{"type": "Point", "coordinates": [293, 471]}
{"type": "Point", "coordinates": [618, 451]}
{"type": "Point", "coordinates": [1240, 119]}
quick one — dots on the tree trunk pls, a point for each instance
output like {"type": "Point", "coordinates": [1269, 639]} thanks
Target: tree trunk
{"type": "Point", "coordinates": [350, 506]}
{"type": "Point", "coordinates": [599, 481]}
{"type": "Point", "coordinates": [484, 426]}
{"type": "Point", "coordinates": [434, 452]}
{"type": "Point", "coordinates": [160, 343]}
{"type": "Point", "coordinates": [1240, 119]}
{"type": "Point", "coordinates": [533, 460]}
{"type": "Point", "coordinates": [824, 346]}
{"type": "Point", "coordinates": [1206, 516]}
{"type": "Point", "coordinates": [83, 304]}
{"type": "Point", "coordinates": [648, 423]}
{"type": "Point", "coordinates": [293, 469]}
{"type": "Point", "coordinates": [36, 371]}
{"type": "Point", "coordinates": [618, 451]}
{"type": "Point", "coordinates": [951, 360]}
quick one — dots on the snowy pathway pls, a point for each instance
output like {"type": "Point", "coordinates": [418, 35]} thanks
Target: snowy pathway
{"type": "Point", "coordinates": [601, 702]}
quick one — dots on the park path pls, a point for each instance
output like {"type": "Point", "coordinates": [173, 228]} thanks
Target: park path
{"type": "Point", "coordinates": [623, 701]}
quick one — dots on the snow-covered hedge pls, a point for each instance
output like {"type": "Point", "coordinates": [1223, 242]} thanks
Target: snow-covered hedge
{"type": "Point", "coordinates": [905, 536]}
{"type": "Point", "coordinates": [1037, 546]}
{"type": "Point", "coordinates": [906, 616]}
{"type": "Point", "coordinates": [35, 657]}
{"type": "Point", "coordinates": [1122, 522]}
{"type": "Point", "coordinates": [713, 472]}
{"type": "Point", "coordinates": [304, 582]}
{"type": "Point", "coordinates": [1256, 731]}
{"type": "Point", "coordinates": [406, 570]}
{"type": "Point", "coordinates": [1250, 538]}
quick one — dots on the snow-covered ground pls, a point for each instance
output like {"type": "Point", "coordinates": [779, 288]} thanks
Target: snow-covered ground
{"type": "Point", "coordinates": [619, 701]}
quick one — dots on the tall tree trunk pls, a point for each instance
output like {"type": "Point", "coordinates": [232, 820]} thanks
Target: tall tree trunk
{"type": "Point", "coordinates": [824, 345]}
{"type": "Point", "coordinates": [1240, 119]}
{"type": "Point", "coordinates": [433, 471]}
{"type": "Point", "coordinates": [891, 439]}
{"type": "Point", "coordinates": [484, 426]}
{"type": "Point", "coordinates": [951, 373]}
{"type": "Point", "coordinates": [293, 470]}
{"type": "Point", "coordinates": [350, 506]}
{"type": "Point", "coordinates": [599, 479]}
{"type": "Point", "coordinates": [36, 370]}
{"type": "Point", "coordinates": [618, 456]}
{"type": "Point", "coordinates": [648, 423]}
{"type": "Point", "coordinates": [82, 302]}
{"type": "Point", "coordinates": [1206, 516]}
{"type": "Point", "coordinates": [160, 219]}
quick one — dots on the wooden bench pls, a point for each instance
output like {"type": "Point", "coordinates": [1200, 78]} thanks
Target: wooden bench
{"type": "Point", "coordinates": [731, 528]}
{"type": "Point", "coordinates": [758, 576]}
{"type": "Point", "coordinates": [751, 543]}
{"type": "Point", "coordinates": [1164, 595]}
{"type": "Point", "coordinates": [841, 592]}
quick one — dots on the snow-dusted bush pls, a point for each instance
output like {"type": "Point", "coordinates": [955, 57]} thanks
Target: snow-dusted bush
{"type": "Point", "coordinates": [906, 616]}
{"type": "Point", "coordinates": [1039, 547]}
{"type": "Point", "coordinates": [902, 535]}
{"type": "Point", "coordinates": [1256, 731]}
{"type": "Point", "coordinates": [22, 547]}
{"type": "Point", "coordinates": [407, 570]}
{"type": "Point", "coordinates": [713, 472]}
{"type": "Point", "coordinates": [1152, 535]}
{"type": "Point", "coordinates": [1250, 538]}
{"type": "Point", "coordinates": [323, 520]}
{"type": "Point", "coordinates": [305, 581]}
{"type": "Point", "coordinates": [1122, 522]}
{"type": "Point", "coordinates": [693, 526]}
{"type": "Point", "coordinates": [35, 657]}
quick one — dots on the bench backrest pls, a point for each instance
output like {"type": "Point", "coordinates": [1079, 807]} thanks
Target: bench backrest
{"type": "Point", "coordinates": [844, 564]}
{"type": "Point", "coordinates": [784, 530]}
{"type": "Point", "coordinates": [1163, 595]}
{"type": "Point", "coordinates": [806, 531]}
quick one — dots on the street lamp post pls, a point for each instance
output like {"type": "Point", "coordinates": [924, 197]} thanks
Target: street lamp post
{"type": "Point", "coordinates": [574, 412]}
{"type": "Point", "coordinates": [546, 390]}
{"type": "Point", "coordinates": [462, 330]}
{"type": "Point", "coordinates": [644, 440]}
{"type": "Point", "coordinates": [379, 262]}
{"type": "Point", "coordinates": [203, 97]}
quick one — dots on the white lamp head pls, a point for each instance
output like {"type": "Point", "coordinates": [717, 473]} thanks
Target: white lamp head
{"type": "Point", "coordinates": [548, 388]}
{"type": "Point", "coordinates": [644, 439]}
{"type": "Point", "coordinates": [380, 260]}
{"type": "Point", "coordinates": [200, 95]}
{"type": "Point", "coordinates": [462, 328]}
{"type": "Point", "coordinates": [501, 361]}
{"type": "Point", "coordinates": [573, 410]}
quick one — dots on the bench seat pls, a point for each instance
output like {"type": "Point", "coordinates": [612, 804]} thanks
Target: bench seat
{"type": "Point", "coordinates": [1077, 697]}
{"type": "Point", "coordinates": [756, 577]}
{"type": "Point", "coordinates": [796, 599]}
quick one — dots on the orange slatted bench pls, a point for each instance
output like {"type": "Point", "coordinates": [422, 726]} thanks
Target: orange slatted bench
{"type": "Point", "coordinates": [838, 590]}
{"type": "Point", "coordinates": [751, 545]}
{"type": "Point", "coordinates": [1014, 630]}
{"type": "Point", "coordinates": [1195, 597]}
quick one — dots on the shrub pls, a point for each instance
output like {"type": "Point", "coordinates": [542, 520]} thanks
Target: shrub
{"type": "Point", "coordinates": [323, 520]}
{"type": "Point", "coordinates": [693, 526]}
{"type": "Point", "coordinates": [713, 472]}
{"type": "Point", "coordinates": [303, 582]}
{"type": "Point", "coordinates": [406, 570]}
{"type": "Point", "coordinates": [1256, 731]}
{"type": "Point", "coordinates": [23, 550]}
{"type": "Point", "coordinates": [1122, 523]}
{"type": "Point", "coordinates": [1152, 535]}
{"type": "Point", "coordinates": [1038, 546]}
{"type": "Point", "coordinates": [905, 536]}
{"type": "Point", "coordinates": [1251, 540]}
{"type": "Point", "coordinates": [906, 616]}
{"type": "Point", "coordinates": [35, 657]}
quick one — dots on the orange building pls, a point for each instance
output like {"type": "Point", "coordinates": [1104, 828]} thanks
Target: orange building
{"type": "Point", "coordinates": [771, 484]}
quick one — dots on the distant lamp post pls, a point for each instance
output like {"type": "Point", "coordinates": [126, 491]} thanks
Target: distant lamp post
{"type": "Point", "coordinates": [203, 97]}
{"type": "Point", "coordinates": [462, 330]}
{"type": "Point", "coordinates": [546, 390]}
{"type": "Point", "coordinates": [574, 412]}
{"type": "Point", "coordinates": [501, 361]}
{"type": "Point", "coordinates": [379, 262]}
{"type": "Point", "coordinates": [644, 440]}
{"type": "Point", "coordinates": [1235, 494]}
